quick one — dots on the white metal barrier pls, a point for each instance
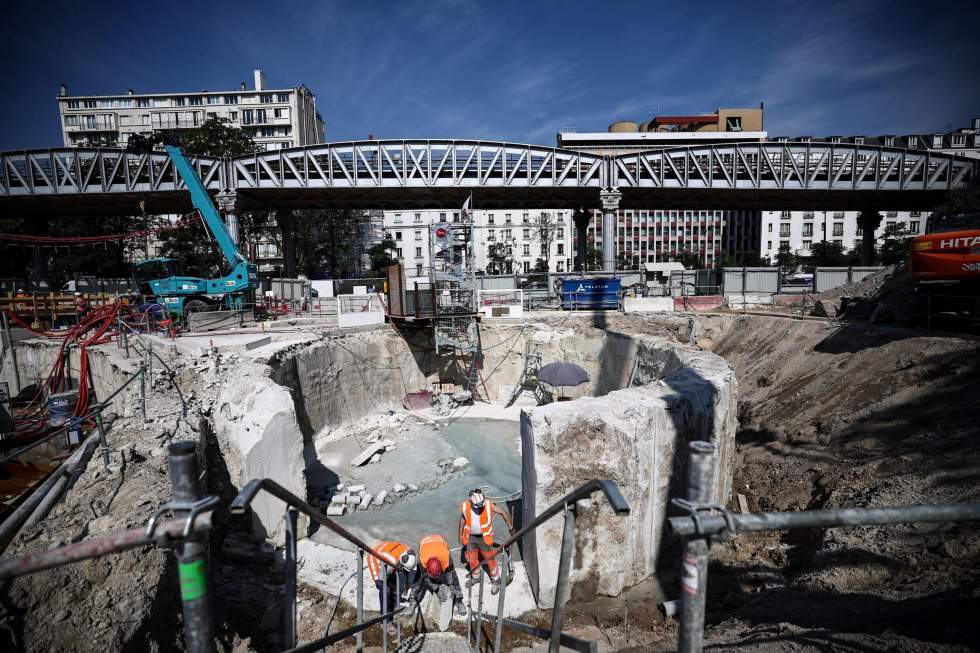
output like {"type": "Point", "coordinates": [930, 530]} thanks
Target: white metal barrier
{"type": "Point", "coordinates": [501, 303]}
{"type": "Point", "coordinates": [360, 310]}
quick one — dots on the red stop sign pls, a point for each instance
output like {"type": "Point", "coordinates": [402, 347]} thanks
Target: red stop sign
{"type": "Point", "coordinates": [441, 232]}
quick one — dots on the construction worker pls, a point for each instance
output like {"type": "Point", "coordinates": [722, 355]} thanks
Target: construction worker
{"type": "Point", "coordinates": [476, 536]}
{"type": "Point", "coordinates": [400, 571]}
{"type": "Point", "coordinates": [81, 307]}
{"type": "Point", "coordinates": [440, 576]}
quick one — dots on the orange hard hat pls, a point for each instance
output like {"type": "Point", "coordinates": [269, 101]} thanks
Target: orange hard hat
{"type": "Point", "coordinates": [433, 567]}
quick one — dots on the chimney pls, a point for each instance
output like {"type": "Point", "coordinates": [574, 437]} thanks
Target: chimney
{"type": "Point", "coordinates": [242, 87]}
{"type": "Point", "coordinates": [130, 92]}
{"type": "Point", "coordinates": [259, 80]}
{"type": "Point", "coordinates": [62, 90]}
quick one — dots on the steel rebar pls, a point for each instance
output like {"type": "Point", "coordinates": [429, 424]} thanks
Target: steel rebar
{"type": "Point", "coordinates": [561, 587]}
{"type": "Point", "coordinates": [694, 562]}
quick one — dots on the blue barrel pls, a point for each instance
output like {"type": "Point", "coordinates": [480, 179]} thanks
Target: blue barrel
{"type": "Point", "coordinates": [61, 406]}
{"type": "Point", "coordinates": [590, 293]}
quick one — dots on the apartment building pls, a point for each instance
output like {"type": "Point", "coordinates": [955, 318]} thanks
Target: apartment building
{"type": "Point", "coordinates": [515, 229]}
{"type": "Point", "coordinates": [273, 117]}
{"type": "Point", "coordinates": [799, 230]}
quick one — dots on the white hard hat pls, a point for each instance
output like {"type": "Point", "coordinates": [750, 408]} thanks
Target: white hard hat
{"type": "Point", "coordinates": [477, 498]}
{"type": "Point", "coordinates": [78, 294]}
{"type": "Point", "coordinates": [408, 560]}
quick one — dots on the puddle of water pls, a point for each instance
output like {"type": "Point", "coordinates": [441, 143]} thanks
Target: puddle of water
{"type": "Point", "coordinates": [492, 447]}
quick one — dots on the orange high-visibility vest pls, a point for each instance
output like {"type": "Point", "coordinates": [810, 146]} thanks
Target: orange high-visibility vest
{"type": "Point", "coordinates": [390, 551]}
{"type": "Point", "coordinates": [486, 521]}
{"type": "Point", "coordinates": [434, 546]}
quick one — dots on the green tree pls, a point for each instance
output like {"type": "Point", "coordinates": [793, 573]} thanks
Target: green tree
{"type": "Point", "coordinates": [216, 137]}
{"type": "Point", "coordinates": [380, 256]}
{"type": "Point", "coordinates": [540, 265]}
{"type": "Point", "coordinates": [593, 257]}
{"type": "Point", "coordinates": [828, 253]}
{"type": "Point", "coordinates": [690, 260]}
{"type": "Point", "coordinates": [895, 248]}
{"type": "Point", "coordinates": [786, 259]}
{"type": "Point", "coordinates": [500, 258]}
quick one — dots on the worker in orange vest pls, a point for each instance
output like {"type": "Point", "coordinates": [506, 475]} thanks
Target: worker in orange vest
{"type": "Point", "coordinates": [400, 569]}
{"type": "Point", "coordinates": [476, 536]}
{"type": "Point", "coordinates": [440, 576]}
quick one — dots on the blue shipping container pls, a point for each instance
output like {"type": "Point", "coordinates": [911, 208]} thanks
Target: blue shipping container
{"type": "Point", "coordinates": [590, 293]}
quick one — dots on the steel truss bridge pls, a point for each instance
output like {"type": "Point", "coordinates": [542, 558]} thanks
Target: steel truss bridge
{"type": "Point", "coordinates": [442, 173]}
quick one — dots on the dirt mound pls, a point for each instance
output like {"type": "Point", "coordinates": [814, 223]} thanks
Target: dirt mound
{"type": "Point", "coordinates": [884, 296]}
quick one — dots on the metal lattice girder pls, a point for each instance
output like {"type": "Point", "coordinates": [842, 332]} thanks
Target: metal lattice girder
{"type": "Point", "coordinates": [420, 164]}
{"type": "Point", "coordinates": [98, 170]}
{"type": "Point", "coordinates": [791, 166]}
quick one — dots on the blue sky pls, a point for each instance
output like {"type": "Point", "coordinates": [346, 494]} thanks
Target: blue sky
{"type": "Point", "coordinates": [511, 70]}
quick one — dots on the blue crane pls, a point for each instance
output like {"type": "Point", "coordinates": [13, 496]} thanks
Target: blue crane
{"type": "Point", "coordinates": [164, 278]}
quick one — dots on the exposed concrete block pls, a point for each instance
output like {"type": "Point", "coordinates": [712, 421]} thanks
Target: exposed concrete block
{"type": "Point", "coordinates": [461, 462]}
{"type": "Point", "coordinates": [356, 489]}
{"type": "Point", "coordinates": [255, 422]}
{"type": "Point", "coordinates": [366, 502]}
{"type": "Point", "coordinates": [398, 489]}
{"type": "Point", "coordinates": [336, 511]}
{"type": "Point", "coordinates": [637, 438]}
{"type": "Point", "coordinates": [380, 499]}
{"type": "Point", "coordinates": [370, 452]}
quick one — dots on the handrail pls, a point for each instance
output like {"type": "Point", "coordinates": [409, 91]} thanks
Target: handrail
{"type": "Point", "coordinates": [584, 491]}
{"type": "Point", "coordinates": [243, 501]}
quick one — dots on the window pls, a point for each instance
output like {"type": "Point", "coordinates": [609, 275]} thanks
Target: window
{"type": "Point", "coordinates": [491, 235]}
{"type": "Point", "coordinates": [418, 252]}
{"type": "Point", "coordinates": [937, 140]}
{"type": "Point", "coordinates": [914, 226]}
{"type": "Point", "coordinates": [527, 234]}
{"type": "Point", "coordinates": [265, 98]}
{"type": "Point", "coordinates": [784, 230]}
{"type": "Point", "coordinates": [260, 116]}
{"type": "Point", "coordinates": [838, 229]}
{"type": "Point", "coordinates": [561, 249]}
{"type": "Point", "coordinates": [398, 218]}
{"type": "Point", "coordinates": [248, 116]}
{"type": "Point", "coordinates": [891, 214]}
{"type": "Point", "coordinates": [489, 218]}
{"type": "Point", "coordinates": [838, 214]}
{"type": "Point", "coordinates": [194, 101]}
{"type": "Point", "coordinates": [72, 104]}
{"type": "Point", "coordinates": [71, 120]}
{"type": "Point", "coordinates": [915, 214]}
{"type": "Point", "coordinates": [959, 140]}
{"type": "Point", "coordinates": [859, 140]}
{"type": "Point", "coordinates": [442, 217]}
{"type": "Point", "coordinates": [835, 139]}
{"type": "Point", "coordinates": [507, 234]}
{"type": "Point", "coordinates": [785, 215]}
{"type": "Point", "coordinates": [418, 217]}
{"type": "Point", "coordinates": [525, 218]}
{"type": "Point", "coordinates": [806, 244]}
{"type": "Point", "coordinates": [838, 243]}
{"type": "Point", "coordinates": [527, 249]}
{"type": "Point", "coordinates": [398, 235]}
{"type": "Point", "coordinates": [279, 113]}
{"type": "Point", "coordinates": [282, 97]}
{"type": "Point", "coordinates": [561, 233]}
{"type": "Point", "coordinates": [808, 230]}
{"type": "Point", "coordinates": [418, 234]}
{"type": "Point", "coordinates": [398, 252]}
{"type": "Point", "coordinates": [808, 215]}
{"type": "Point", "coordinates": [507, 218]}
{"type": "Point", "coordinates": [213, 99]}
{"type": "Point", "coordinates": [913, 141]}
{"type": "Point", "coordinates": [733, 123]}
{"type": "Point", "coordinates": [232, 115]}
{"type": "Point", "coordinates": [770, 227]}
{"type": "Point", "coordinates": [418, 269]}
{"type": "Point", "coordinates": [105, 104]}
{"type": "Point", "coordinates": [90, 104]}
{"type": "Point", "coordinates": [889, 141]}
{"type": "Point", "coordinates": [768, 244]}
{"type": "Point", "coordinates": [179, 101]}
{"type": "Point", "coordinates": [783, 244]}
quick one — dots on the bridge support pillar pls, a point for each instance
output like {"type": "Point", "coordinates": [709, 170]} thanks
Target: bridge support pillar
{"type": "Point", "coordinates": [869, 221]}
{"type": "Point", "coordinates": [229, 205]}
{"type": "Point", "coordinates": [610, 207]}
{"type": "Point", "coordinates": [581, 219]}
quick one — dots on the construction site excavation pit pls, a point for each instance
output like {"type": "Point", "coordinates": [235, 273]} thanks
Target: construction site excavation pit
{"type": "Point", "coordinates": [384, 472]}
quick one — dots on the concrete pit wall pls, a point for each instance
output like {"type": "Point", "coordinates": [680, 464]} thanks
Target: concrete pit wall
{"type": "Point", "coordinates": [635, 437]}
{"type": "Point", "coordinates": [349, 377]}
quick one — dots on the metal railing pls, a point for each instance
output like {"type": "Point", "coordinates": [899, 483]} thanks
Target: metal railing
{"type": "Point", "coordinates": [555, 637]}
{"type": "Point", "coordinates": [699, 526]}
{"type": "Point", "coordinates": [294, 505]}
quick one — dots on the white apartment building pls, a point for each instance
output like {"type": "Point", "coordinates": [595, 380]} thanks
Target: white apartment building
{"type": "Point", "coordinates": [274, 118]}
{"type": "Point", "coordinates": [799, 230]}
{"type": "Point", "coordinates": [411, 232]}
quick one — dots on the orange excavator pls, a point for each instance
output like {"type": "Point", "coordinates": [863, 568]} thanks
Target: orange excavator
{"type": "Point", "coordinates": [944, 263]}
